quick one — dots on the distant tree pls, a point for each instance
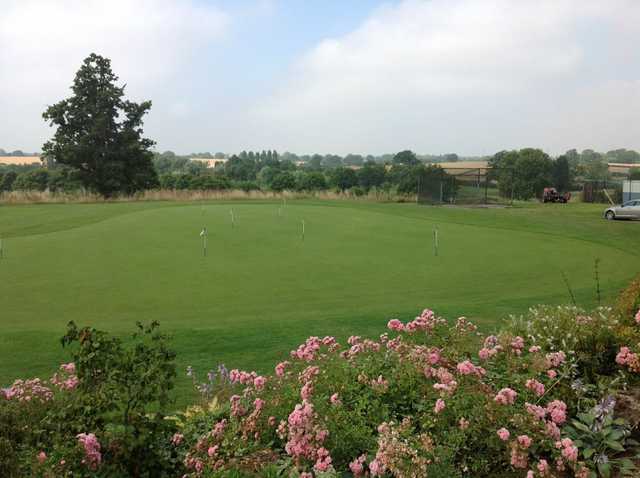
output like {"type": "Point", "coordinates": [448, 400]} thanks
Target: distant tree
{"type": "Point", "coordinates": [99, 133]}
{"type": "Point", "coordinates": [533, 172]}
{"type": "Point", "coordinates": [2, 152]}
{"type": "Point", "coordinates": [240, 168]}
{"type": "Point", "coordinates": [331, 161]}
{"type": "Point", "coordinates": [561, 174]}
{"type": "Point", "coordinates": [267, 175]}
{"type": "Point", "coordinates": [521, 174]}
{"type": "Point", "coordinates": [406, 158]}
{"type": "Point", "coordinates": [353, 160]}
{"type": "Point", "coordinates": [8, 179]}
{"type": "Point", "coordinates": [283, 181]}
{"type": "Point", "coordinates": [219, 155]}
{"type": "Point", "coordinates": [287, 156]}
{"type": "Point", "coordinates": [315, 163]}
{"type": "Point", "coordinates": [17, 152]}
{"type": "Point", "coordinates": [310, 181]}
{"type": "Point", "coordinates": [371, 175]}
{"type": "Point", "coordinates": [343, 178]}
{"type": "Point", "coordinates": [623, 156]}
{"type": "Point", "coordinates": [593, 165]}
{"type": "Point", "coordinates": [634, 174]}
{"type": "Point", "coordinates": [168, 181]}
{"type": "Point", "coordinates": [450, 157]}
{"type": "Point", "coordinates": [195, 167]}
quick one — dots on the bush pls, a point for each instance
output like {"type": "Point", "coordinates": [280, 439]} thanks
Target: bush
{"type": "Point", "coordinates": [63, 180]}
{"type": "Point", "coordinates": [427, 398]}
{"type": "Point", "coordinates": [8, 179]}
{"type": "Point", "coordinates": [36, 180]}
{"type": "Point", "coordinates": [104, 411]}
{"type": "Point", "coordinates": [209, 182]}
{"type": "Point", "coordinates": [283, 181]}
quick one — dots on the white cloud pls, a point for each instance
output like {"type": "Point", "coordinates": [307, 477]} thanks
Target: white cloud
{"type": "Point", "coordinates": [42, 44]}
{"type": "Point", "coordinates": [471, 76]}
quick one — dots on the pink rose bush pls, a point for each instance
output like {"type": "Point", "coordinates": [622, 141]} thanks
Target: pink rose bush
{"type": "Point", "coordinates": [404, 404]}
{"type": "Point", "coordinates": [424, 398]}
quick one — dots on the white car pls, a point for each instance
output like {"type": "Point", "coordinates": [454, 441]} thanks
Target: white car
{"type": "Point", "coordinates": [627, 210]}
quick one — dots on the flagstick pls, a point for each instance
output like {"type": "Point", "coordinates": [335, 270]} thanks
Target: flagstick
{"type": "Point", "coordinates": [435, 241]}
{"type": "Point", "coordinates": [204, 241]}
{"type": "Point", "coordinates": [1, 249]}
{"type": "Point", "coordinates": [233, 219]}
{"type": "Point", "coordinates": [303, 229]}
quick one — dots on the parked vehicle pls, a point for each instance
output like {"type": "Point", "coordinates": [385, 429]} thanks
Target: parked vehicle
{"type": "Point", "coordinates": [552, 195]}
{"type": "Point", "coordinates": [627, 210]}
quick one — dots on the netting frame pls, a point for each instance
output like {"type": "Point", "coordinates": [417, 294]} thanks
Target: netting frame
{"type": "Point", "coordinates": [464, 186]}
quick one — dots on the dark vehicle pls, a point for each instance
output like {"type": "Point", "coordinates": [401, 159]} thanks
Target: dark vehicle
{"type": "Point", "coordinates": [552, 195]}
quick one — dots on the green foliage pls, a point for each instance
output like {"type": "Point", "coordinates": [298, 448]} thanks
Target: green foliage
{"type": "Point", "coordinates": [35, 180]}
{"type": "Point", "coordinates": [342, 178]}
{"type": "Point", "coordinates": [7, 180]}
{"type": "Point", "coordinates": [283, 181]}
{"type": "Point", "coordinates": [593, 338]}
{"type": "Point", "coordinates": [124, 390]}
{"type": "Point", "coordinates": [406, 158]}
{"type": "Point", "coordinates": [605, 442]}
{"type": "Point", "coordinates": [240, 168]}
{"type": "Point", "coordinates": [523, 174]}
{"type": "Point", "coordinates": [99, 133]}
{"type": "Point", "coordinates": [561, 177]}
{"type": "Point", "coordinates": [310, 181]}
{"type": "Point", "coordinates": [371, 175]}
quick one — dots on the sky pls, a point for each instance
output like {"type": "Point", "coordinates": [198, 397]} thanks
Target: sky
{"type": "Point", "coordinates": [337, 76]}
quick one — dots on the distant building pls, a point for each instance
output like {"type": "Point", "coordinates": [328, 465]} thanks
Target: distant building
{"type": "Point", "coordinates": [630, 190]}
{"type": "Point", "coordinates": [211, 163]}
{"type": "Point", "coordinates": [621, 168]}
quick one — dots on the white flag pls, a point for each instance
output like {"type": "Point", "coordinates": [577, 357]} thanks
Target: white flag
{"type": "Point", "coordinates": [203, 232]}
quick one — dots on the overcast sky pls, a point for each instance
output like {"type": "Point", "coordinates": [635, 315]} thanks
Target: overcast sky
{"type": "Point", "coordinates": [339, 76]}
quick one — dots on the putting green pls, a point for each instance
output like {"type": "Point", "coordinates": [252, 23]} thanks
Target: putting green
{"type": "Point", "coordinates": [263, 287]}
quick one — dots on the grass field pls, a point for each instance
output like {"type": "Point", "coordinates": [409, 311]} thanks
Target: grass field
{"type": "Point", "coordinates": [262, 289]}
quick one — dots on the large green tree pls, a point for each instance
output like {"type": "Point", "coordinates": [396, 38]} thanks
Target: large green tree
{"type": "Point", "coordinates": [522, 174]}
{"type": "Point", "coordinates": [406, 158]}
{"type": "Point", "coordinates": [99, 133]}
{"type": "Point", "coordinates": [561, 174]}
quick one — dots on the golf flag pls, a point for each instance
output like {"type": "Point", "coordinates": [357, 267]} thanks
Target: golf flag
{"type": "Point", "coordinates": [203, 232]}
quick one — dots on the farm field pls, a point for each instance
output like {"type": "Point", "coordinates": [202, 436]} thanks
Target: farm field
{"type": "Point", "coordinates": [262, 289]}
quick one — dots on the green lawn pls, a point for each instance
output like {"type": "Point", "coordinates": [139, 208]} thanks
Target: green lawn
{"type": "Point", "coordinates": [262, 289]}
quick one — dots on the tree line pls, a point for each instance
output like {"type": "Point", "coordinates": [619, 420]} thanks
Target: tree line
{"type": "Point", "coordinates": [99, 146]}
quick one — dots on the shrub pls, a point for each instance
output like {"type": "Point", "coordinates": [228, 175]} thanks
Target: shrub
{"type": "Point", "coordinates": [35, 180]}
{"type": "Point", "coordinates": [104, 412]}
{"type": "Point", "coordinates": [429, 400]}
{"type": "Point", "coordinates": [426, 398]}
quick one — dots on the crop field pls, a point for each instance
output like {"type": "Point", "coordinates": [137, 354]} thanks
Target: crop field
{"type": "Point", "coordinates": [263, 287]}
